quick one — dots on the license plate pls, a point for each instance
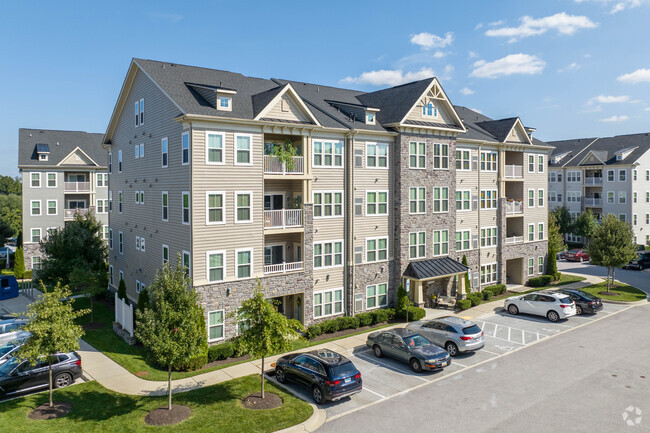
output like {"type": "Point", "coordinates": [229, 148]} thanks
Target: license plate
{"type": "Point", "coordinates": [347, 380]}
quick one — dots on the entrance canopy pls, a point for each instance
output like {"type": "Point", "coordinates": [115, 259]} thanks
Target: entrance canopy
{"type": "Point", "coordinates": [434, 268]}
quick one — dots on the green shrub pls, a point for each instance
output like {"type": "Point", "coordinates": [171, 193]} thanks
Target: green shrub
{"type": "Point", "coordinates": [330, 326]}
{"type": "Point", "coordinates": [414, 314]}
{"type": "Point", "coordinates": [542, 280]}
{"type": "Point", "coordinates": [365, 319]}
{"type": "Point", "coordinates": [464, 304]}
{"type": "Point", "coordinates": [121, 291]}
{"type": "Point", "coordinates": [497, 289]}
{"type": "Point", "coordinates": [475, 298]}
{"type": "Point", "coordinates": [201, 357]}
{"type": "Point", "coordinates": [19, 263]}
{"type": "Point", "coordinates": [348, 322]}
{"type": "Point", "coordinates": [27, 275]}
{"type": "Point", "coordinates": [402, 300]}
{"type": "Point", "coordinates": [221, 351]}
{"type": "Point", "coordinates": [487, 294]}
{"type": "Point", "coordinates": [314, 331]}
{"type": "Point", "coordinates": [379, 316]}
{"type": "Point", "coordinates": [390, 312]}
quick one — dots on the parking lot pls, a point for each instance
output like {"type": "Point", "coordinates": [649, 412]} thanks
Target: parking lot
{"type": "Point", "coordinates": [385, 378]}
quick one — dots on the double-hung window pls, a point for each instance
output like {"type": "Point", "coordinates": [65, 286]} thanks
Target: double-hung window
{"type": "Point", "coordinates": [572, 176]}
{"type": "Point", "coordinates": [441, 199]}
{"type": "Point", "coordinates": [417, 200]}
{"type": "Point", "coordinates": [462, 160]}
{"type": "Point", "coordinates": [328, 254]}
{"type": "Point", "coordinates": [35, 207]}
{"type": "Point", "coordinates": [216, 321]}
{"type": "Point", "coordinates": [489, 273]}
{"type": "Point", "coordinates": [376, 202]}
{"type": "Point", "coordinates": [622, 197]}
{"type": "Point", "coordinates": [243, 149]}
{"type": "Point", "coordinates": [215, 265]}
{"type": "Point", "coordinates": [139, 112]}
{"type": "Point", "coordinates": [376, 296]}
{"type": "Point", "coordinates": [540, 231]}
{"type": "Point", "coordinates": [417, 154]}
{"type": "Point", "coordinates": [215, 212]}
{"type": "Point", "coordinates": [244, 208]}
{"type": "Point", "coordinates": [463, 200]}
{"type": "Point", "coordinates": [531, 232]}
{"type": "Point", "coordinates": [540, 198]}
{"type": "Point", "coordinates": [540, 265]}
{"type": "Point", "coordinates": [531, 198]}
{"type": "Point", "coordinates": [328, 204]}
{"type": "Point", "coordinates": [489, 237]}
{"type": "Point", "coordinates": [186, 208]}
{"type": "Point", "coordinates": [110, 238]}
{"type": "Point", "coordinates": [440, 242]}
{"type": "Point", "coordinates": [36, 180]}
{"type": "Point", "coordinates": [377, 155]}
{"type": "Point", "coordinates": [165, 254]}
{"type": "Point", "coordinates": [120, 242]}
{"type": "Point", "coordinates": [36, 235]}
{"type": "Point", "coordinates": [417, 245]}
{"type": "Point", "coordinates": [119, 161]}
{"type": "Point", "coordinates": [214, 142]}
{"type": "Point", "coordinates": [610, 197]}
{"type": "Point", "coordinates": [165, 206]}
{"type": "Point", "coordinates": [51, 180]}
{"type": "Point", "coordinates": [164, 150]}
{"type": "Point", "coordinates": [488, 199]}
{"type": "Point", "coordinates": [110, 162]}
{"type": "Point", "coordinates": [185, 148]}
{"type": "Point", "coordinates": [463, 240]}
{"type": "Point", "coordinates": [328, 303]}
{"type": "Point", "coordinates": [489, 161]}
{"type": "Point", "coordinates": [187, 263]}
{"type": "Point", "coordinates": [376, 249]}
{"type": "Point", "coordinates": [531, 163]}
{"type": "Point", "coordinates": [531, 266]}
{"type": "Point", "coordinates": [51, 207]}
{"type": "Point", "coordinates": [610, 175]}
{"type": "Point", "coordinates": [440, 156]}
{"type": "Point", "coordinates": [328, 153]}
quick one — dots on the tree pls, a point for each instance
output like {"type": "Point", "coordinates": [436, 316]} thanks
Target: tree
{"type": "Point", "coordinates": [19, 240]}
{"type": "Point", "coordinates": [268, 330]}
{"type": "Point", "coordinates": [467, 283]}
{"type": "Point", "coordinates": [564, 220]}
{"type": "Point", "coordinates": [402, 303]}
{"type": "Point", "coordinates": [19, 263]}
{"type": "Point", "coordinates": [612, 245]}
{"type": "Point", "coordinates": [143, 299]}
{"type": "Point", "coordinates": [168, 329]}
{"type": "Point", "coordinates": [585, 225]}
{"type": "Point", "coordinates": [10, 185]}
{"type": "Point", "coordinates": [121, 290]}
{"type": "Point", "coordinates": [51, 322]}
{"type": "Point", "coordinates": [11, 210]}
{"type": "Point", "coordinates": [555, 245]}
{"type": "Point", "coordinates": [89, 281]}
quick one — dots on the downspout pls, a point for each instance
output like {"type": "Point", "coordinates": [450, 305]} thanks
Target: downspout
{"type": "Point", "coordinates": [348, 227]}
{"type": "Point", "coordinates": [478, 205]}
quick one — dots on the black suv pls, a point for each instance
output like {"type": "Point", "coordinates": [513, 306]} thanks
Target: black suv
{"type": "Point", "coordinates": [585, 302]}
{"type": "Point", "coordinates": [330, 376]}
{"type": "Point", "coordinates": [18, 376]}
{"type": "Point", "coordinates": [641, 262]}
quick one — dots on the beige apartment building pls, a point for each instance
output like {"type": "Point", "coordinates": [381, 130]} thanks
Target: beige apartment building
{"type": "Point", "coordinates": [384, 188]}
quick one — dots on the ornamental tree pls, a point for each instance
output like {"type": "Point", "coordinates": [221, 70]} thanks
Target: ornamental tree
{"type": "Point", "coordinates": [555, 245]}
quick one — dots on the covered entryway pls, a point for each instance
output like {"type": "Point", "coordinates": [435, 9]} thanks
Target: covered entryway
{"type": "Point", "coordinates": [291, 306]}
{"type": "Point", "coordinates": [438, 277]}
{"type": "Point", "coordinates": [515, 271]}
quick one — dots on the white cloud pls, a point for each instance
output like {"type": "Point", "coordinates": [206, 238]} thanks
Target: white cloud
{"type": "Point", "coordinates": [472, 55]}
{"type": "Point", "coordinates": [439, 54]}
{"type": "Point", "coordinates": [638, 76]}
{"type": "Point", "coordinates": [466, 91]}
{"type": "Point", "coordinates": [478, 26]}
{"type": "Point", "coordinates": [495, 23]}
{"type": "Point", "coordinates": [429, 40]}
{"type": "Point", "coordinates": [572, 67]}
{"type": "Point", "coordinates": [508, 65]}
{"type": "Point", "coordinates": [617, 5]}
{"type": "Point", "coordinates": [561, 22]}
{"type": "Point", "coordinates": [385, 77]}
{"type": "Point", "coordinates": [602, 99]}
{"type": "Point", "coordinates": [615, 119]}
{"type": "Point", "coordinates": [647, 108]}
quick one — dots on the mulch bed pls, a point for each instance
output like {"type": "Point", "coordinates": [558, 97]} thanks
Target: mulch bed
{"type": "Point", "coordinates": [255, 401]}
{"type": "Point", "coordinates": [142, 373]}
{"type": "Point", "coordinates": [163, 416]}
{"type": "Point", "coordinates": [44, 411]}
{"type": "Point", "coordinates": [224, 361]}
{"type": "Point", "coordinates": [350, 331]}
{"type": "Point", "coordinates": [93, 325]}
{"type": "Point", "coordinates": [606, 293]}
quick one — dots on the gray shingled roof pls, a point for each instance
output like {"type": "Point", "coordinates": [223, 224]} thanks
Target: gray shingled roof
{"type": "Point", "coordinates": [605, 148]}
{"type": "Point", "coordinates": [60, 143]}
{"type": "Point", "coordinates": [431, 268]}
{"type": "Point", "coordinates": [395, 102]}
{"type": "Point", "coordinates": [498, 128]}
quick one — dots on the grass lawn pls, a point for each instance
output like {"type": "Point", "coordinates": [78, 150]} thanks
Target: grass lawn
{"type": "Point", "coordinates": [625, 293]}
{"type": "Point", "coordinates": [215, 408]}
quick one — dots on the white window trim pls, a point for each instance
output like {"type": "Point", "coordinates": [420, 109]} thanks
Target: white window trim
{"type": "Point", "coordinates": [223, 148]}
{"type": "Point", "coordinates": [189, 207]}
{"type": "Point", "coordinates": [489, 265]}
{"type": "Point", "coordinates": [36, 257]}
{"type": "Point", "coordinates": [542, 164]}
{"type": "Point", "coordinates": [241, 250]}
{"type": "Point", "coordinates": [496, 162]}
{"type": "Point", "coordinates": [542, 225]}
{"type": "Point", "coordinates": [540, 258]}
{"type": "Point", "coordinates": [47, 208]}
{"type": "Point", "coordinates": [163, 193]}
{"type": "Point", "coordinates": [529, 267]}
{"type": "Point", "coordinates": [110, 239]}
{"type": "Point", "coordinates": [528, 199]}
{"type": "Point", "coordinates": [417, 155]}
{"type": "Point", "coordinates": [223, 325]}
{"type": "Point", "coordinates": [538, 197]}
{"type": "Point", "coordinates": [110, 162]}
{"type": "Point", "coordinates": [377, 305]}
{"type": "Point", "coordinates": [461, 239]}
{"type": "Point", "coordinates": [31, 236]}
{"type": "Point", "coordinates": [441, 156]}
{"type": "Point", "coordinates": [111, 277]}
{"type": "Point", "coordinates": [376, 166]}
{"type": "Point", "coordinates": [417, 245]}
{"type": "Point", "coordinates": [619, 175]}
{"type": "Point", "coordinates": [237, 207]}
{"type": "Point", "coordinates": [377, 203]}
{"type": "Point", "coordinates": [162, 140]}
{"type": "Point", "coordinates": [189, 148]}
{"type": "Point", "coordinates": [530, 232]}
{"type": "Point", "coordinates": [333, 242]}
{"type": "Point", "coordinates": [164, 246]}
{"type": "Point", "coordinates": [469, 152]}
{"type": "Point", "coordinates": [31, 208]}
{"type": "Point", "coordinates": [250, 150]}
{"type": "Point", "coordinates": [224, 266]}
{"type": "Point", "coordinates": [120, 201]}
{"type": "Point", "coordinates": [189, 269]}
{"type": "Point", "coordinates": [40, 179]}
{"type": "Point", "coordinates": [528, 170]}
{"type": "Point", "coordinates": [613, 175]}
{"type": "Point", "coordinates": [322, 204]}
{"type": "Point", "coordinates": [136, 153]}
{"type": "Point", "coordinates": [56, 181]}
{"type": "Point", "coordinates": [333, 303]}
{"type": "Point", "coordinates": [334, 142]}
{"type": "Point", "coordinates": [417, 200]}
{"type": "Point", "coordinates": [119, 161]}
{"type": "Point", "coordinates": [461, 191]}
{"type": "Point", "coordinates": [441, 243]}
{"type": "Point", "coordinates": [120, 243]}
{"type": "Point", "coordinates": [376, 239]}
{"type": "Point", "coordinates": [442, 200]}
{"type": "Point", "coordinates": [223, 207]}
{"type": "Point", "coordinates": [491, 237]}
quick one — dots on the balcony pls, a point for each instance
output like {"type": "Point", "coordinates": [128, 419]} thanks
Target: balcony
{"type": "Point", "coordinates": [282, 268]}
{"type": "Point", "coordinates": [77, 187]}
{"type": "Point", "coordinates": [70, 213]}
{"type": "Point", "coordinates": [514, 172]}
{"type": "Point", "coordinates": [591, 181]}
{"type": "Point", "coordinates": [282, 218]}
{"type": "Point", "coordinates": [272, 165]}
{"type": "Point", "coordinates": [514, 240]}
{"type": "Point", "coordinates": [593, 202]}
{"type": "Point", "coordinates": [514, 207]}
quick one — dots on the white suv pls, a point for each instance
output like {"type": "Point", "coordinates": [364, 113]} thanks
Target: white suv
{"type": "Point", "coordinates": [554, 306]}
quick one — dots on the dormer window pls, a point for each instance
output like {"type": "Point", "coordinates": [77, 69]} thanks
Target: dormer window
{"type": "Point", "coordinates": [370, 118]}
{"type": "Point", "coordinates": [224, 99]}
{"type": "Point", "coordinates": [139, 112]}
{"type": "Point", "coordinates": [224, 102]}
{"type": "Point", "coordinates": [619, 157]}
{"type": "Point", "coordinates": [43, 151]}
{"type": "Point", "coordinates": [42, 157]}
{"type": "Point", "coordinates": [429, 110]}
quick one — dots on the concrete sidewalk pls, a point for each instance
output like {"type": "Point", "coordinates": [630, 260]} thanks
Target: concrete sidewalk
{"type": "Point", "coordinates": [18, 305]}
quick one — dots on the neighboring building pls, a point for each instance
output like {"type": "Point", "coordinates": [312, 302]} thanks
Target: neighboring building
{"type": "Point", "coordinates": [606, 175]}
{"type": "Point", "coordinates": [64, 172]}
{"type": "Point", "coordinates": [384, 189]}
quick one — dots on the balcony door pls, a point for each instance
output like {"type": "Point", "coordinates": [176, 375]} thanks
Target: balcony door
{"type": "Point", "coordinates": [273, 254]}
{"type": "Point", "coordinates": [273, 201]}
{"type": "Point", "coordinates": [76, 204]}
{"type": "Point", "coordinates": [76, 178]}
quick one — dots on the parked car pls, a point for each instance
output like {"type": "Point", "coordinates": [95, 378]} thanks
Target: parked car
{"type": "Point", "coordinates": [327, 374]}
{"type": "Point", "coordinates": [641, 262]}
{"type": "Point", "coordinates": [12, 336]}
{"type": "Point", "coordinates": [405, 345]}
{"type": "Point", "coordinates": [454, 334]}
{"type": "Point", "coordinates": [561, 255]}
{"type": "Point", "coordinates": [18, 376]}
{"type": "Point", "coordinates": [11, 326]}
{"type": "Point", "coordinates": [577, 256]}
{"type": "Point", "coordinates": [585, 302]}
{"type": "Point", "coordinates": [8, 349]}
{"type": "Point", "coordinates": [6, 250]}
{"type": "Point", "coordinates": [552, 305]}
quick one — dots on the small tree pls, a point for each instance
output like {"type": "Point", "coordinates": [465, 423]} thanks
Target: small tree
{"type": "Point", "coordinates": [168, 328]}
{"type": "Point", "coordinates": [88, 281]}
{"type": "Point", "coordinates": [51, 322]}
{"type": "Point", "coordinates": [19, 263]}
{"type": "Point", "coordinates": [285, 153]}
{"type": "Point", "coordinates": [19, 239]}
{"type": "Point", "coordinates": [143, 299]}
{"type": "Point", "coordinates": [268, 331]}
{"type": "Point", "coordinates": [555, 245]}
{"type": "Point", "coordinates": [467, 282]}
{"type": "Point", "coordinates": [121, 290]}
{"type": "Point", "coordinates": [585, 225]}
{"type": "Point", "coordinates": [564, 220]}
{"type": "Point", "coordinates": [612, 245]}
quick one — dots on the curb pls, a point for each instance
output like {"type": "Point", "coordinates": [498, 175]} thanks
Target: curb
{"type": "Point", "coordinates": [314, 422]}
{"type": "Point", "coordinates": [643, 301]}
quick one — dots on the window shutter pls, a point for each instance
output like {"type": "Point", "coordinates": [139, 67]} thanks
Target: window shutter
{"type": "Point", "coordinates": [358, 302]}
{"type": "Point", "coordinates": [358, 158]}
{"type": "Point", "coordinates": [358, 206]}
{"type": "Point", "coordinates": [474, 241]}
{"type": "Point", "coordinates": [474, 202]}
{"type": "Point", "coordinates": [358, 255]}
{"type": "Point", "coordinates": [474, 162]}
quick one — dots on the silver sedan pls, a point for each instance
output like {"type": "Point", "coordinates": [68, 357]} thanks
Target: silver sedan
{"type": "Point", "coordinates": [454, 334]}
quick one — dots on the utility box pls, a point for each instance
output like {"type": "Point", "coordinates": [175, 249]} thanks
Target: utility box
{"type": "Point", "coordinates": [8, 287]}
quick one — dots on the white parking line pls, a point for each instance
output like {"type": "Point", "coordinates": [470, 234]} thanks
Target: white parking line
{"type": "Point", "coordinates": [491, 353]}
{"type": "Point", "coordinates": [390, 367]}
{"type": "Point", "coordinates": [458, 364]}
{"type": "Point", "coordinates": [365, 388]}
{"type": "Point", "coordinates": [495, 330]}
{"type": "Point", "coordinates": [509, 333]}
{"type": "Point", "coordinates": [509, 341]}
{"type": "Point", "coordinates": [523, 336]}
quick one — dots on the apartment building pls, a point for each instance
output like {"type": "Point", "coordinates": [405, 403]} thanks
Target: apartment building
{"type": "Point", "coordinates": [606, 175]}
{"type": "Point", "coordinates": [64, 173]}
{"type": "Point", "coordinates": [384, 188]}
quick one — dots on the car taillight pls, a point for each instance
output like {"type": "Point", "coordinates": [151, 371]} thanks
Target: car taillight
{"type": "Point", "coordinates": [564, 306]}
{"type": "Point", "coordinates": [78, 363]}
{"type": "Point", "coordinates": [465, 338]}
{"type": "Point", "coordinates": [333, 382]}
{"type": "Point", "coordinates": [482, 334]}
{"type": "Point", "coordinates": [358, 375]}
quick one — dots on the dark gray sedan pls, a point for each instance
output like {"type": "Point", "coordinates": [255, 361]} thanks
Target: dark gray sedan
{"type": "Point", "coordinates": [410, 347]}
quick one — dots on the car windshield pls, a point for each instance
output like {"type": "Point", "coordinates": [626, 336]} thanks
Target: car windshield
{"type": "Point", "coordinates": [471, 330]}
{"type": "Point", "coordinates": [6, 368]}
{"type": "Point", "coordinates": [589, 296]}
{"type": "Point", "coordinates": [565, 300]}
{"type": "Point", "coordinates": [416, 341]}
{"type": "Point", "coordinates": [7, 347]}
{"type": "Point", "coordinates": [343, 370]}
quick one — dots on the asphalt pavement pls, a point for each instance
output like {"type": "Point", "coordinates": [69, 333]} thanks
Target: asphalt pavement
{"type": "Point", "coordinates": [638, 279]}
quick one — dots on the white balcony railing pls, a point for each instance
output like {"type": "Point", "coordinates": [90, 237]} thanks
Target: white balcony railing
{"type": "Point", "coordinates": [593, 180]}
{"type": "Point", "coordinates": [589, 201]}
{"type": "Point", "coordinates": [283, 268]}
{"type": "Point", "coordinates": [272, 165]}
{"type": "Point", "coordinates": [514, 240]}
{"type": "Point", "coordinates": [514, 207]}
{"type": "Point", "coordinates": [282, 218]}
{"type": "Point", "coordinates": [514, 171]}
{"type": "Point", "coordinates": [70, 213]}
{"type": "Point", "coordinates": [77, 187]}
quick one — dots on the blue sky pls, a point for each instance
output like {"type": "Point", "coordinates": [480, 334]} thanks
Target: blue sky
{"type": "Point", "coordinates": [571, 68]}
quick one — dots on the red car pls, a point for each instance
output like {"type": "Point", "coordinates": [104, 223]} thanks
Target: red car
{"type": "Point", "coordinates": [577, 256]}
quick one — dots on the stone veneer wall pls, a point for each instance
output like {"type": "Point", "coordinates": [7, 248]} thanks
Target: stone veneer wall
{"type": "Point", "coordinates": [526, 250]}
{"type": "Point", "coordinates": [214, 296]}
{"type": "Point", "coordinates": [29, 251]}
{"type": "Point", "coordinates": [375, 273]}
{"type": "Point", "coordinates": [473, 263]}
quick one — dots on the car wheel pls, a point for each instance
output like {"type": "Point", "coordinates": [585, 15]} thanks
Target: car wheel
{"type": "Point", "coordinates": [415, 365]}
{"type": "Point", "coordinates": [451, 348]}
{"type": "Point", "coordinates": [62, 380]}
{"type": "Point", "coordinates": [553, 316]}
{"type": "Point", "coordinates": [317, 395]}
{"type": "Point", "coordinates": [279, 374]}
{"type": "Point", "coordinates": [378, 351]}
{"type": "Point", "coordinates": [512, 309]}
{"type": "Point", "coordinates": [579, 310]}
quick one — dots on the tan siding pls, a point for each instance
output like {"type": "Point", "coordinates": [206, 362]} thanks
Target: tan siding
{"type": "Point", "coordinates": [291, 110]}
